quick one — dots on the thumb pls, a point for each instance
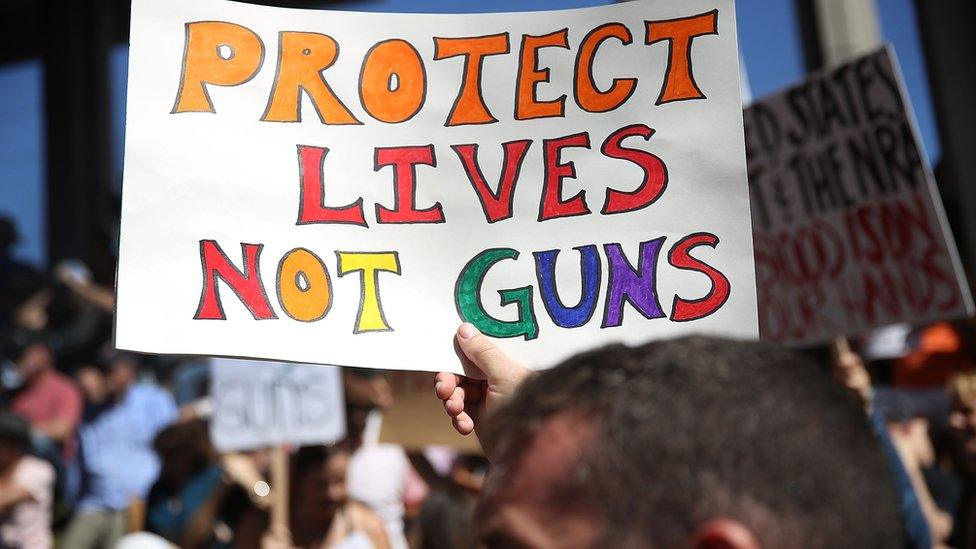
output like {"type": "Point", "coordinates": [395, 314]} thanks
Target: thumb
{"type": "Point", "coordinates": [485, 356]}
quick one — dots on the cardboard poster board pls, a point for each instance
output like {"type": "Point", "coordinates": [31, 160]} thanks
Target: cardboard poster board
{"type": "Point", "coordinates": [347, 188]}
{"type": "Point", "coordinates": [849, 228]}
{"type": "Point", "coordinates": [264, 404]}
{"type": "Point", "coordinates": [416, 419]}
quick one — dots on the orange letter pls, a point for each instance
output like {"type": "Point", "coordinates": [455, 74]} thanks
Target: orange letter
{"type": "Point", "coordinates": [392, 83]}
{"type": "Point", "coordinates": [223, 54]}
{"type": "Point", "coordinates": [304, 286]}
{"type": "Point", "coordinates": [679, 82]}
{"type": "Point", "coordinates": [529, 76]}
{"type": "Point", "coordinates": [469, 107]}
{"type": "Point", "coordinates": [302, 57]}
{"type": "Point", "coordinates": [588, 96]}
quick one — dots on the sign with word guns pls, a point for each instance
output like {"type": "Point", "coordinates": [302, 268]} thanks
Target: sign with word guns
{"type": "Point", "coordinates": [347, 188]}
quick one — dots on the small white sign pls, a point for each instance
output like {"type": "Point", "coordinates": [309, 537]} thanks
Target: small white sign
{"type": "Point", "coordinates": [260, 404]}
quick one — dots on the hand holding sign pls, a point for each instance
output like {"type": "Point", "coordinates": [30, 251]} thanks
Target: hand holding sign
{"type": "Point", "coordinates": [491, 378]}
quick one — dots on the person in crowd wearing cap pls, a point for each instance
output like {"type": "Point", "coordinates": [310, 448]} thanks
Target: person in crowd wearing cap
{"type": "Point", "coordinates": [694, 442]}
{"type": "Point", "coordinates": [26, 488]}
{"type": "Point", "coordinates": [962, 425]}
{"type": "Point", "coordinates": [118, 463]}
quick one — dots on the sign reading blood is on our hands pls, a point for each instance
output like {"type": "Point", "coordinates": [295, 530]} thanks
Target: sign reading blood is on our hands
{"type": "Point", "coordinates": [850, 234]}
{"type": "Point", "coordinates": [346, 188]}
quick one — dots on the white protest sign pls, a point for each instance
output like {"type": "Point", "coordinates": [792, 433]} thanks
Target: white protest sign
{"type": "Point", "coordinates": [339, 187]}
{"type": "Point", "coordinates": [849, 228]}
{"type": "Point", "coordinates": [263, 404]}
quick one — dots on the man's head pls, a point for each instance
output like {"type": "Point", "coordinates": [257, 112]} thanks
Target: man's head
{"type": "Point", "coordinates": [685, 443]}
{"type": "Point", "coordinates": [121, 373]}
{"type": "Point", "coordinates": [34, 359]}
{"type": "Point", "coordinates": [962, 420]}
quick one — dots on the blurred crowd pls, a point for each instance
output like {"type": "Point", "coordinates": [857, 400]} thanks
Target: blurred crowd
{"type": "Point", "coordinates": [101, 448]}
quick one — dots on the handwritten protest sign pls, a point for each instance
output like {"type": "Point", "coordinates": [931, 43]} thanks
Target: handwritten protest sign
{"type": "Point", "coordinates": [849, 228]}
{"type": "Point", "coordinates": [264, 404]}
{"type": "Point", "coordinates": [336, 187]}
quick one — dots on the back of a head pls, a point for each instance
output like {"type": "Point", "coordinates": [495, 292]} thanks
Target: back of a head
{"type": "Point", "coordinates": [697, 429]}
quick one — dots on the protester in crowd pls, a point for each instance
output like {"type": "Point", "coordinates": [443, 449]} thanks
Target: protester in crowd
{"type": "Point", "coordinates": [26, 488]}
{"type": "Point", "coordinates": [910, 436]}
{"type": "Point", "coordinates": [18, 280]}
{"type": "Point", "coordinates": [962, 422]}
{"type": "Point", "coordinates": [586, 454]}
{"type": "Point", "coordinates": [322, 513]}
{"type": "Point", "coordinates": [184, 504]}
{"type": "Point", "coordinates": [118, 463]}
{"type": "Point", "coordinates": [446, 521]}
{"type": "Point", "coordinates": [47, 398]}
{"type": "Point", "coordinates": [454, 480]}
{"type": "Point", "coordinates": [73, 309]}
{"type": "Point", "coordinates": [923, 522]}
{"type": "Point", "coordinates": [935, 353]}
{"type": "Point", "coordinates": [379, 474]}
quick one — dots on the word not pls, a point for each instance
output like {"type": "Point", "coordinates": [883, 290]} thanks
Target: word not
{"type": "Point", "coordinates": [393, 78]}
{"type": "Point", "coordinates": [303, 284]}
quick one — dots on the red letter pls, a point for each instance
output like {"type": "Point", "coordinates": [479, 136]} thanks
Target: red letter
{"type": "Point", "coordinates": [469, 107]}
{"type": "Point", "coordinates": [247, 285]}
{"type": "Point", "coordinates": [310, 207]}
{"type": "Point", "coordinates": [553, 205]}
{"type": "Point", "coordinates": [679, 82]}
{"type": "Point", "coordinates": [497, 205]}
{"type": "Point", "coordinates": [683, 310]}
{"type": "Point", "coordinates": [527, 104]}
{"type": "Point", "coordinates": [404, 161]}
{"type": "Point", "coordinates": [655, 172]}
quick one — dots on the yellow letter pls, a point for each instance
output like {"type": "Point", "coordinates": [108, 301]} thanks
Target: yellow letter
{"type": "Point", "coordinates": [370, 317]}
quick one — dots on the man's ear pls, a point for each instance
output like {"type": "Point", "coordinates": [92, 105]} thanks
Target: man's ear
{"type": "Point", "coordinates": [724, 533]}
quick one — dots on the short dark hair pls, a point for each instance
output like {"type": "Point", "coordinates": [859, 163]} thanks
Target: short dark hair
{"type": "Point", "coordinates": [14, 431]}
{"type": "Point", "coordinates": [700, 428]}
{"type": "Point", "coordinates": [310, 459]}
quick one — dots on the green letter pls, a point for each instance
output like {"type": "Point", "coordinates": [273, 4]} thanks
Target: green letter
{"type": "Point", "coordinates": [467, 297]}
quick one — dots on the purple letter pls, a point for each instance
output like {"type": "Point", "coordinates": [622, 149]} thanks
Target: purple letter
{"type": "Point", "coordinates": [636, 286]}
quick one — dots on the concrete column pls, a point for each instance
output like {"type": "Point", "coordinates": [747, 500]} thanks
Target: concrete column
{"type": "Point", "coordinates": [847, 29]}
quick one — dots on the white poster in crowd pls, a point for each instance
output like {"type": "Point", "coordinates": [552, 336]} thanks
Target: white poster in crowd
{"type": "Point", "coordinates": [264, 404]}
{"type": "Point", "coordinates": [850, 233]}
{"type": "Point", "coordinates": [347, 188]}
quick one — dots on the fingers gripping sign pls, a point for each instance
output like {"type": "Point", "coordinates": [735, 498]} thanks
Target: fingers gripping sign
{"type": "Point", "coordinates": [491, 377]}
